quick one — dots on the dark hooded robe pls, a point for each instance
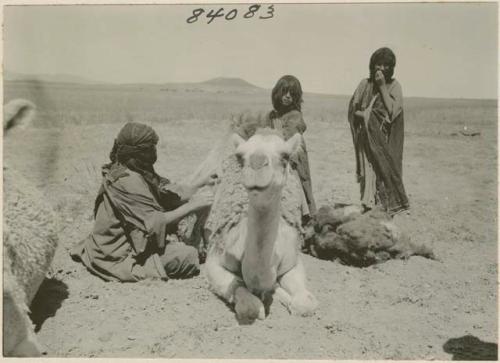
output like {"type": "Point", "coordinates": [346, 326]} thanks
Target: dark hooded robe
{"type": "Point", "coordinates": [378, 143]}
{"type": "Point", "coordinates": [128, 239]}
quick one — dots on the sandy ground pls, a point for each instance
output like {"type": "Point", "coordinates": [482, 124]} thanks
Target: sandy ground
{"type": "Point", "coordinates": [414, 309]}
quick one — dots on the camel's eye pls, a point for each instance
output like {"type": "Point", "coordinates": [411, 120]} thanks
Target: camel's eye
{"type": "Point", "coordinates": [239, 158]}
{"type": "Point", "coordinates": [285, 157]}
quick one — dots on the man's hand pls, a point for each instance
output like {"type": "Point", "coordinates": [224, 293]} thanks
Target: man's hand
{"type": "Point", "coordinates": [379, 79]}
{"type": "Point", "coordinates": [202, 200]}
{"type": "Point", "coordinates": [211, 180]}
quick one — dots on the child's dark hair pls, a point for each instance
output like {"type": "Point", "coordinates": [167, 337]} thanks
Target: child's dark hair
{"type": "Point", "coordinates": [383, 56]}
{"type": "Point", "coordinates": [286, 84]}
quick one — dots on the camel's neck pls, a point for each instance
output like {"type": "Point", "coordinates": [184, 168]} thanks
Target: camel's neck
{"type": "Point", "coordinates": [263, 223]}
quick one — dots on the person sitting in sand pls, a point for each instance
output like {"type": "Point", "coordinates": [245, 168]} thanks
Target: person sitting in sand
{"type": "Point", "coordinates": [377, 125]}
{"type": "Point", "coordinates": [134, 210]}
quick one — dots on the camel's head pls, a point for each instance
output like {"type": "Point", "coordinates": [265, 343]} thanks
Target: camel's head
{"type": "Point", "coordinates": [264, 159]}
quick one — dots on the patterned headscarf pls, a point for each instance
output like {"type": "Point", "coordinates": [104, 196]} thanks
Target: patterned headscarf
{"type": "Point", "coordinates": [135, 148]}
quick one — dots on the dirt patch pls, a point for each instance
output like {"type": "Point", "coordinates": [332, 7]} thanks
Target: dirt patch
{"type": "Point", "coordinates": [395, 310]}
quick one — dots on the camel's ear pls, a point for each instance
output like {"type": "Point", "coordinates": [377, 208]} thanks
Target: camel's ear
{"type": "Point", "coordinates": [237, 140]}
{"type": "Point", "coordinates": [17, 113]}
{"type": "Point", "coordinates": [293, 143]}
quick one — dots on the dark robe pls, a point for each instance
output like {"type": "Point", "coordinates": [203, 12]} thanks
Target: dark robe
{"type": "Point", "coordinates": [129, 230]}
{"type": "Point", "coordinates": [378, 143]}
{"type": "Point", "coordinates": [289, 124]}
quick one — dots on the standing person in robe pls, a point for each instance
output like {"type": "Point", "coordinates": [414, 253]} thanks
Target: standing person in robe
{"type": "Point", "coordinates": [286, 117]}
{"type": "Point", "coordinates": [377, 125]}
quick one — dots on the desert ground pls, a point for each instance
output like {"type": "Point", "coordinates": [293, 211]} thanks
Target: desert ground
{"type": "Point", "coordinates": [418, 308]}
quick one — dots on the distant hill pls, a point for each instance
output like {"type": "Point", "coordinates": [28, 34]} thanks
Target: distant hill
{"type": "Point", "coordinates": [48, 78]}
{"type": "Point", "coordinates": [229, 83]}
{"type": "Point", "coordinates": [216, 85]}
{"type": "Point", "coordinates": [222, 85]}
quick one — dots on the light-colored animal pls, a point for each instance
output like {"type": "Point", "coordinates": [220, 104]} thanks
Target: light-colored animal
{"type": "Point", "coordinates": [360, 239]}
{"type": "Point", "coordinates": [30, 241]}
{"type": "Point", "coordinates": [254, 229]}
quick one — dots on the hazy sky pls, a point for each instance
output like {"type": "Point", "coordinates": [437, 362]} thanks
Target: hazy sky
{"type": "Point", "coordinates": [442, 50]}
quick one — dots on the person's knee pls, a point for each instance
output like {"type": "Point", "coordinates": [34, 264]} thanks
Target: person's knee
{"type": "Point", "coordinates": [181, 261]}
{"type": "Point", "coordinates": [189, 263]}
{"type": "Point", "coordinates": [191, 256]}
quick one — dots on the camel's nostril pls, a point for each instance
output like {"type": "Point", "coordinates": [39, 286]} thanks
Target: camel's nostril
{"type": "Point", "coordinates": [258, 161]}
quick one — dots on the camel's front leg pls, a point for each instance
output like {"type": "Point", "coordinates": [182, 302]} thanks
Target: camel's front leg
{"type": "Point", "coordinates": [301, 301]}
{"type": "Point", "coordinates": [231, 288]}
{"type": "Point", "coordinates": [248, 307]}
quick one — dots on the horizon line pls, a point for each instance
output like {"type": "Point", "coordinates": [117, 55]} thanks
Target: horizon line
{"type": "Point", "coordinates": [91, 82]}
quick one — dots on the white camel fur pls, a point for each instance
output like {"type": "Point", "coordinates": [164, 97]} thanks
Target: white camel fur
{"type": "Point", "coordinates": [30, 240]}
{"type": "Point", "coordinates": [258, 255]}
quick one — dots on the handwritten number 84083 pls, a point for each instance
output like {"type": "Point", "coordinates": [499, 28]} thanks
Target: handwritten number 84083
{"type": "Point", "coordinates": [257, 11]}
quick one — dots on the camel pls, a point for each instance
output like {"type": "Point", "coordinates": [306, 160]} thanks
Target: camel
{"type": "Point", "coordinates": [254, 229]}
{"type": "Point", "coordinates": [30, 241]}
{"type": "Point", "coordinates": [343, 232]}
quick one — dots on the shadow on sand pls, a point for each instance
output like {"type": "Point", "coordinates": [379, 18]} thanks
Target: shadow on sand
{"type": "Point", "coordinates": [47, 301]}
{"type": "Point", "coordinates": [471, 348]}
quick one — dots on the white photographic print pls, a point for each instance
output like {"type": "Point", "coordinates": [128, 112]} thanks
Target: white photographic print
{"type": "Point", "coordinates": [250, 181]}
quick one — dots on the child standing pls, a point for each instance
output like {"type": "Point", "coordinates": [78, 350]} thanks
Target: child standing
{"type": "Point", "coordinates": [286, 117]}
